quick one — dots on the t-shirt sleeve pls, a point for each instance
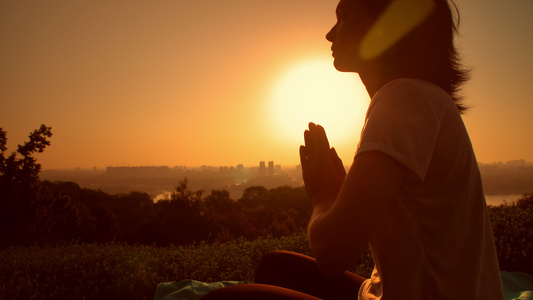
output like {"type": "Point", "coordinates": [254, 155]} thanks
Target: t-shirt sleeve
{"type": "Point", "coordinates": [402, 124]}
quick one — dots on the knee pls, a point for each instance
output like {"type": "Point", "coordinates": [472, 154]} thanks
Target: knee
{"type": "Point", "coordinates": [276, 259]}
{"type": "Point", "coordinates": [283, 257]}
{"type": "Point", "coordinates": [280, 263]}
{"type": "Point", "coordinates": [277, 255]}
{"type": "Point", "coordinates": [271, 266]}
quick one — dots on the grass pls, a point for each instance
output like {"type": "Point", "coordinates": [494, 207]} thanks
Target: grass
{"type": "Point", "coordinates": [119, 271]}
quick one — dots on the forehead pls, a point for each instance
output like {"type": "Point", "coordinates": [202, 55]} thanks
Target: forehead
{"type": "Point", "coordinates": [375, 6]}
{"type": "Point", "coordinates": [348, 3]}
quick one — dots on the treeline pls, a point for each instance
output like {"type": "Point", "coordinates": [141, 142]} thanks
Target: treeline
{"type": "Point", "coordinates": [63, 212]}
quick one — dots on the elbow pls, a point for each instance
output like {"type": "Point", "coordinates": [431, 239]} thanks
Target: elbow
{"type": "Point", "coordinates": [332, 252]}
{"type": "Point", "coordinates": [335, 256]}
{"type": "Point", "coordinates": [332, 260]}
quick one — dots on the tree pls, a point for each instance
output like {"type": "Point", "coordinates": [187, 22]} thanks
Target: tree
{"type": "Point", "coordinates": [181, 216]}
{"type": "Point", "coordinates": [253, 196]}
{"type": "Point", "coordinates": [525, 201]}
{"type": "Point", "coordinates": [133, 212]}
{"type": "Point", "coordinates": [16, 171]}
{"type": "Point", "coordinates": [19, 178]}
{"type": "Point", "coordinates": [221, 202]}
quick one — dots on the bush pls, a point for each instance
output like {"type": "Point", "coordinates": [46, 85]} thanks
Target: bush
{"type": "Point", "coordinates": [512, 227]}
{"type": "Point", "coordinates": [104, 271]}
{"type": "Point", "coordinates": [89, 271]}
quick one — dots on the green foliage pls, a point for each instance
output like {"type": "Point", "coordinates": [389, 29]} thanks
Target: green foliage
{"type": "Point", "coordinates": [98, 271]}
{"type": "Point", "coordinates": [525, 201]}
{"type": "Point", "coordinates": [89, 271]}
{"type": "Point", "coordinates": [512, 227]}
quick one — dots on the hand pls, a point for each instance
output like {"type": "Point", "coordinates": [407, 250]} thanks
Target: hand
{"type": "Point", "coordinates": [322, 169]}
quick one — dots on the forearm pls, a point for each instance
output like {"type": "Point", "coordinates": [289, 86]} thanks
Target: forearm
{"type": "Point", "coordinates": [339, 233]}
{"type": "Point", "coordinates": [332, 244]}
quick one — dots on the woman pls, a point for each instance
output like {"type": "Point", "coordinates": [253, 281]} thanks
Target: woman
{"type": "Point", "coordinates": [413, 192]}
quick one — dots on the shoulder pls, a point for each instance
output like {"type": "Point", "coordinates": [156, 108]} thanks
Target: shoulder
{"type": "Point", "coordinates": [412, 96]}
{"type": "Point", "coordinates": [410, 87]}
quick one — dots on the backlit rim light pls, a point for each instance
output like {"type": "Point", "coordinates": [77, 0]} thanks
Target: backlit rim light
{"type": "Point", "coordinates": [313, 91]}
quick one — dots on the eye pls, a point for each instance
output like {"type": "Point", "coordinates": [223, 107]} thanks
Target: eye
{"type": "Point", "coordinates": [340, 17]}
{"type": "Point", "coordinates": [341, 14]}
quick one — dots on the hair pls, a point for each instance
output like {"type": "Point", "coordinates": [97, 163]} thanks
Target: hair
{"type": "Point", "coordinates": [428, 52]}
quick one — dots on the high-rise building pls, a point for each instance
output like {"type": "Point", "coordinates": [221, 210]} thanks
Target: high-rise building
{"type": "Point", "coordinates": [262, 168]}
{"type": "Point", "coordinates": [271, 171]}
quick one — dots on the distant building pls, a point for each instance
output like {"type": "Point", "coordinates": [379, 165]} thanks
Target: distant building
{"type": "Point", "coordinates": [271, 171]}
{"type": "Point", "coordinates": [262, 168]}
{"type": "Point", "coordinates": [516, 163]}
{"type": "Point", "coordinates": [138, 171]}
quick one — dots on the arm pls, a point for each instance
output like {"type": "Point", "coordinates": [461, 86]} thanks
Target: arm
{"type": "Point", "coordinates": [342, 221]}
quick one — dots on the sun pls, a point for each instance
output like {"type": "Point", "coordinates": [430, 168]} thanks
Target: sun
{"type": "Point", "coordinates": [313, 91]}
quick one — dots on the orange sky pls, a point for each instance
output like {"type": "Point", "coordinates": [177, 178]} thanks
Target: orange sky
{"type": "Point", "coordinates": [180, 82]}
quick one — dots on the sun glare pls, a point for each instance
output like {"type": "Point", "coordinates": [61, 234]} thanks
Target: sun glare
{"type": "Point", "coordinates": [313, 91]}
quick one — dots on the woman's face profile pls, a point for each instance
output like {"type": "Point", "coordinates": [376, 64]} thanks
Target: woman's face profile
{"type": "Point", "coordinates": [353, 21]}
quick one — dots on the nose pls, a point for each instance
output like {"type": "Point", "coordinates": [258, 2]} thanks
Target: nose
{"type": "Point", "coordinates": [330, 36]}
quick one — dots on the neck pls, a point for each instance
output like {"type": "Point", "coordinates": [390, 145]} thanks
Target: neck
{"type": "Point", "coordinates": [375, 78]}
{"type": "Point", "coordinates": [371, 83]}
{"type": "Point", "coordinates": [379, 72]}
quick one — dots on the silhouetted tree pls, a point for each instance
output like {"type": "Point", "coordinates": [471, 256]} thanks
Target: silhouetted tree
{"type": "Point", "coordinates": [220, 201]}
{"type": "Point", "coordinates": [19, 178]}
{"type": "Point", "coordinates": [226, 218]}
{"type": "Point", "coordinates": [525, 201]}
{"type": "Point", "coordinates": [180, 216]}
{"type": "Point", "coordinates": [253, 196]}
{"type": "Point", "coordinates": [69, 212]}
{"type": "Point", "coordinates": [278, 211]}
{"type": "Point", "coordinates": [133, 211]}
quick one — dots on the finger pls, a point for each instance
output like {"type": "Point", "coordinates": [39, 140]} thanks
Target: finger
{"type": "Point", "coordinates": [337, 162]}
{"type": "Point", "coordinates": [303, 157]}
{"type": "Point", "coordinates": [322, 139]}
{"type": "Point", "coordinates": [311, 143]}
{"type": "Point", "coordinates": [307, 138]}
{"type": "Point", "coordinates": [305, 165]}
{"type": "Point", "coordinates": [312, 136]}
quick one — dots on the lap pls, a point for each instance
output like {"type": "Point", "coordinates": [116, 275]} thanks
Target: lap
{"type": "Point", "coordinates": [289, 275]}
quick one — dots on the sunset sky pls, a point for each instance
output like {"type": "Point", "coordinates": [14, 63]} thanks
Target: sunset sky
{"type": "Point", "coordinates": [227, 82]}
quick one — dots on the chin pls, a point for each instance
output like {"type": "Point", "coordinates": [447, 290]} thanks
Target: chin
{"type": "Point", "coordinates": [352, 66]}
{"type": "Point", "coordinates": [341, 67]}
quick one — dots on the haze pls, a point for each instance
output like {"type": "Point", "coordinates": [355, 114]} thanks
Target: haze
{"type": "Point", "coordinates": [180, 82]}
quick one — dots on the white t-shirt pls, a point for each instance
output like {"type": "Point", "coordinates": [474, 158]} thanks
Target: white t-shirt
{"type": "Point", "coordinates": [436, 240]}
